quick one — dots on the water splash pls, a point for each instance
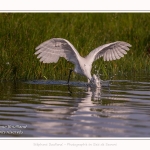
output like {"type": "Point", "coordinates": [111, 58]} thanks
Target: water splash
{"type": "Point", "coordinates": [96, 81]}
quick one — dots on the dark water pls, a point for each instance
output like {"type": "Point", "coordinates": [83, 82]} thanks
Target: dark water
{"type": "Point", "coordinates": [40, 109]}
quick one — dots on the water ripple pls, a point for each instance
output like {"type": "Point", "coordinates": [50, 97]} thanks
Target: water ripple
{"type": "Point", "coordinates": [121, 109]}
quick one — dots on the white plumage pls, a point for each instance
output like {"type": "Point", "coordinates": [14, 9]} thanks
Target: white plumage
{"type": "Point", "coordinates": [51, 50]}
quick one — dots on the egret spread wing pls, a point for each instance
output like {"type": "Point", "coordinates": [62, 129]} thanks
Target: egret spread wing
{"type": "Point", "coordinates": [111, 51]}
{"type": "Point", "coordinates": [51, 50]}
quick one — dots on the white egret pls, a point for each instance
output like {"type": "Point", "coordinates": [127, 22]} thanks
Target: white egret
{"type": "Point", "coordinates": [51, 50]}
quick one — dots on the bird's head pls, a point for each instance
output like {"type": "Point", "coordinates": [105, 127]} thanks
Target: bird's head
{"type": "Point", "coordinates": [86, 70]}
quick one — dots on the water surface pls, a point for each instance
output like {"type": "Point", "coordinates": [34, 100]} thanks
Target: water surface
{"type": "Point", "coordinates": [52, 109]}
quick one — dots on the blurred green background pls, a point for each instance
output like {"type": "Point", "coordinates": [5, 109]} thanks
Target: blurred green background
{"type": "Point", "coordinates": [20, 33]}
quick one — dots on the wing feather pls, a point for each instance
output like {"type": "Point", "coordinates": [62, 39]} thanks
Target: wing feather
{"type": "Point", "coordinates": [109, 52]}
{"type": "Point", "coordinates": [111, 55]}
{"type": "Point", "coordinates": [119, 53]}
{"type": "Point", "coordinates": [116, 54]}
{"type": "Point", "coordinates": [51, 50]}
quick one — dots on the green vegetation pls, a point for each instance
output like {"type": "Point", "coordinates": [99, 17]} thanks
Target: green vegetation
{"type": "Point", "coordinates": [20, 33]}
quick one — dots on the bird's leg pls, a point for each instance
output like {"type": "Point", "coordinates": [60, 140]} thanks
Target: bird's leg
{"type": "Point", "coordinates": [69, 89]}
{"type": "Point", "coordinates": [69, 75]}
